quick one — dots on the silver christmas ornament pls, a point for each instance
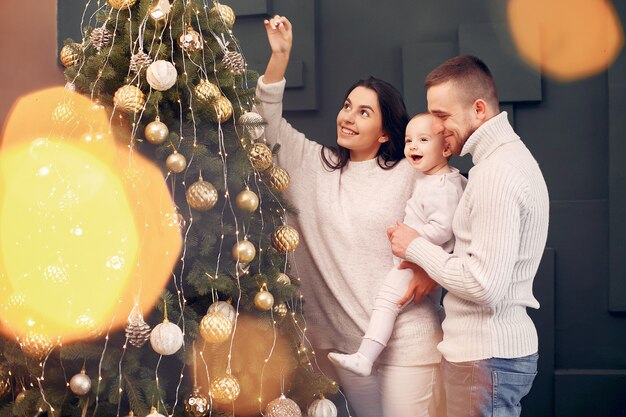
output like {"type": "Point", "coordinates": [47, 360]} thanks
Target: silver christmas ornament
{"type": "Point", "coordinates": [80, 384]}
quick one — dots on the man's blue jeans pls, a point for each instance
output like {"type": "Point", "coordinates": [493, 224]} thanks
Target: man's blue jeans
{"type": "Point", "coordinates": [488, 388]}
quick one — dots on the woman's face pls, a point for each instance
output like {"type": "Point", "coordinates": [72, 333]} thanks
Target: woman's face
{"type": "Point", "coordinates": [360, 124]}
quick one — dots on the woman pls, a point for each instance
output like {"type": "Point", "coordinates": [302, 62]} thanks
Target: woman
{"type": "Point", "coordinates": [346, 200]}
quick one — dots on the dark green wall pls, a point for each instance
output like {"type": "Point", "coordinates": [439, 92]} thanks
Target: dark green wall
{"type": "Point", "coordinates": [575, 130]}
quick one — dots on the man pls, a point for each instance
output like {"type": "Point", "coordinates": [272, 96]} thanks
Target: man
{"type": "Point", "coordinates": [500, 226]}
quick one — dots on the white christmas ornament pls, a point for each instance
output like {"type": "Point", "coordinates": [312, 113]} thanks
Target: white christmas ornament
{"type": "Point", "coordinates": [252, 124]}
{"type": "Point", "coordinates": [225, 308]}
{"type": "Point", "coordinates": [166, 338]}
{"type": "Point", "coordinates": [322, 407]}
{"type": "Point", "coordinates": [80, 384]}
{"type": "Point", "coordinates": [161, 75]}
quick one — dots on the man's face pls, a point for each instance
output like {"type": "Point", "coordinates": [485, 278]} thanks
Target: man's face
{"type": "Point", "coordinates": [452, 117]}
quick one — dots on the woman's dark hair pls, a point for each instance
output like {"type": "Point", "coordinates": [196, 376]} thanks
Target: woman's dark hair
{"type": "Point", "coordinates": [395, 118]}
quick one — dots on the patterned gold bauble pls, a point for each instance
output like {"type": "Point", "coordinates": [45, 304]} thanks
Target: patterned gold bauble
{"type": "Point", "coordinates": [224, 389]}
{"type": "Point", "coordinates": [221, 110]}
{"type": "Point", "coordinates": [122, 4]}
{"type": "Point", "coordinates": [282, 407]}
{"type": "Point", "coordinates": [281, 309]}
{"type": "Point", "coordinates": [196, 404]}
{"type": "Point", "coordinates": [263, 300]}
{"type": "Point", "coordinates": [36, 345]}
{"type": "Point", "coordinates": [129, 98]}
{"type": "Point", "coordinates": [285, 239]}
{"type": "Point", "coordinates": [207, 91]}
{"type": "Point", "coordinates": [176, 162]}
{"type": "Point", "coordinates": [251, 124]}
{"type": "Point", "coordinates": [247, 200]}
{"type": "Point", "coordinates": [215, 327]}
{"type": "Point", "coordinates": [244, 251]}
{"type": "Point", "coordinates": [260, 156]}
{"type": "Point", "coordinates": [222, 16]}
{"type": "Point", "coordinates": [156, 132]}
{"type": "Point", "coordinates": [190, 41]}
{"type": "Point", "coordinates": [279, 178]}
{"type": "Point", "coordinates": [226, 308]}
{"type": "Point", "coordinates": [63, 113]}
{"type": "Point", "coordinates": [201, 195]}
{"type": "Point", "coordinates": [70, 54]}
{"type": "Point", "coordinates": [283, 279]}
{"type": "Point", "coordinates": [80, 384]}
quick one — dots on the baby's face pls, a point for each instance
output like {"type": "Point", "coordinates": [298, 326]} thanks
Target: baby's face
{"type": "Point", "coordinates": [423, 148]}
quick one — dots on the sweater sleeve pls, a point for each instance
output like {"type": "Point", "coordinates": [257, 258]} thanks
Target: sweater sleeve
{"type": "Point", "coordinates": [484, 271]}
{"type": "Point", "coordinates": [296, 149]}
{"type": "Point", "coordinates": [439, 203]}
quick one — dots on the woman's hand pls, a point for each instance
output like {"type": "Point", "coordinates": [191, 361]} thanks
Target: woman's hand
{"type": "Point", "coordinates": [420, 286]}
{"type": "Point", "coordinates": [279, 34]}
{"type": "Point", "coordinates": [280, 37]}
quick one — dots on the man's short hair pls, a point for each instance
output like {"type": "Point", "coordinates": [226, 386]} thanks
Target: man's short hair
{"type": "Point", "coordinates": [470, 75]}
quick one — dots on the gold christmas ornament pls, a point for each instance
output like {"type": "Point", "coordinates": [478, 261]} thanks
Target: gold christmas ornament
{"type": "Point", "coordinates": [154, 413]}
{"type": "Point", "coordinates": [196, 404]}
{"type": "Point", "coordinates": [63, 113]}
{"type": "Point", "coordinates": [215, 327]}
{"type": "Point", "coordinates": [36, 345]}
{"type": "Point", "coordinates": [282, 407]}
{"type": "Point", "coordinates": [20, 397]}
{"type": "Point", "coordinates": [225, 389]}
{"type": "Point", "coordinates": [159, 9]}
{"type": "Point", "coordinates": [139, 61]}
{"type": "Point", "coordinates": [226, 308]}
{"type": "Point", "coordinates": [221, 110]}
{"type": "Point", "coordinates": [137, 330]}
{"type": "Point", "coordinates": [201, 195]}
{"type": "Point", "coordinates": [244, 251]}
{"type": "Point", "coordinates": [176, 162]}
{"type": "Point", "coordinates": [252, 125]}
{"type": "Point", "coordinates": [70, 54]}
{"type": "Point", "coordinates": [166, 338]}
{"type": "Point", "coordinates": [122, 4]}
{"type": "Point", "coordinates": [247, 200]}
{"type": "Point", "coordinates": [174, 219]}
{"type": "Point", "coordinates": [285, 239]}
{"type": "Point", "coordinates": [281, 309]}
{"type": "Point", "coordinates": [263, 300]}
{"type": "Point", "coordinates": [322, 407]}
{"type": "Point", "coordinates": [100, 38]}
{"type": "Point", "coordinates": [80, 384]}
{"type": "Point", "coordinates": [283, 279]}
{"type": "Point", "coordinates": [234, 62]}
{"type": "Point", "coordinates": [279, 178]}
{"type": "Point", "coordinates": [207, 91]}
{"type": "Point", "coordinates": [223, 16]}
{"type": "Point", "coordinates": [161, 75]}
{"type": "Point", "coordinates": [260, 156]}
{"type": "Point", "coordinates": [129, 98]}
{"type": "Point", "coordinates": [156, 132]}
{"type": "Point", "coordinates": [5, 382]}
{"type": "Point", "coordinates": [190, 41]}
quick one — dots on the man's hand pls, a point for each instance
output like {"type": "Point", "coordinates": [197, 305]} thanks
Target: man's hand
{"type": "Point", "coordinates": [401, 237]}
{"type": "Point", "coordinates": [420, 286]}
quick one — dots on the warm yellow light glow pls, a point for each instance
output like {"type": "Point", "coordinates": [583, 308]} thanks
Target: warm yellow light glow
{"type": "Point", "coordinates": [81, 222]}
{"type": "Point", "coordinates": [566, 39]}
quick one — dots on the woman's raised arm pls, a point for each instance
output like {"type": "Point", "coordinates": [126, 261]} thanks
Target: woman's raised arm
{"type": "Point", "coordinates": [280, 37]}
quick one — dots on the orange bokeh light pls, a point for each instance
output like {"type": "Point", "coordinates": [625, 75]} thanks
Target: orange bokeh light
{"type": "Point", "coordinates": [566, 39]}
{"type": "Point", "coordinates": [84, 234]}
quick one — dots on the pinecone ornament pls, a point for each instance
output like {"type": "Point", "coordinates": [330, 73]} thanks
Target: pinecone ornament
{"type": "Point", "coordinates": [139, 61]}
{"type": "Point", "coordinates": [100, 38]}
{"type": "Point", "coordinates": [137, 331]}
{"type": "Point", "coordinates": [234, 61]}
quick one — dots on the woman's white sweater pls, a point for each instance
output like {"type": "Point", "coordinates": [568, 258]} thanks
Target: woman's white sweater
{"type": "Point", "coordinates": [500, 226]}
{"type": "Point", "coordinates": [344, 253]}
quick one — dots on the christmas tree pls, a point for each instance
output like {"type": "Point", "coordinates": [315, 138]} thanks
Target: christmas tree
{"type": "Point", "coordinates": [227, 336]}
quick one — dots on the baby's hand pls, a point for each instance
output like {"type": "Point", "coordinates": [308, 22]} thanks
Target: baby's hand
{"type": "Point", "coordinates": [279, 34]}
